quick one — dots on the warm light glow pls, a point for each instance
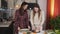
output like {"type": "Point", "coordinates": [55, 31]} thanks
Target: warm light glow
{"type": "Point", "coordinates": [52, 8]}
{"type": "Point", "coordinates": [17, 6]}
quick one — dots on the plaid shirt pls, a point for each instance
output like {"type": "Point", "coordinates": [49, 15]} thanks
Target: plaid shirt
{"type": "Point", "coordinates": [21, 21]}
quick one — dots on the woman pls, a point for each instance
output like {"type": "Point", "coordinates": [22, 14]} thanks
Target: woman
{"type": "Point", "coordinates": [37, 18]}
{"type": "Point", "coordinates": [21, 18]}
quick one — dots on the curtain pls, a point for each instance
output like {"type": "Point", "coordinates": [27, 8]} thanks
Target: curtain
{"type": "Point", "coordinates": [56, 11]}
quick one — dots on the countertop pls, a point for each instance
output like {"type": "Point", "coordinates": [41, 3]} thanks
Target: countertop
{"type": "Point", "coordinates": [5, 24]}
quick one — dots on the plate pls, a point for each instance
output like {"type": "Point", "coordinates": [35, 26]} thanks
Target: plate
{"type": "Point", "coordinates": [24, 30]}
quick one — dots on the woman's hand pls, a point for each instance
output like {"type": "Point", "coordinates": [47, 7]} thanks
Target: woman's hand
{"type": "Point", "coordinates": [33, 28]}
{"type": "Point", "coordinates": [18, 28]}
{"type": "Point", "coordinates": [37, 28]}
{"type": "Point", "coordinates": [40, 28]}
{"type": "Point", "coordinates": [29, 27]}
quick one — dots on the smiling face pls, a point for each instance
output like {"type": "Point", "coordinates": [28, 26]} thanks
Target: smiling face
{"type": "Point", "coordinates": [36, 9]}
{"type": "Point", "coordinates": [25, 7]}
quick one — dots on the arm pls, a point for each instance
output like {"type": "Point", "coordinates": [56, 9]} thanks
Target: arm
{"type": "Point", "coordinates": [43, 16]}
{"type": "Point", "coordinates": [15, 22]}
{"type": "Point", "coordinates": [27, 19]}
{"type": "Point", "coordinates": [42, 20]}
{"type": "Point", "coordinates": [16, 19]}
{"type": "Point", "coordinates": [31, 18]}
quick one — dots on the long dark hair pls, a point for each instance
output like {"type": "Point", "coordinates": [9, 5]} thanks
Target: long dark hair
{"type": "Point", "coordinates": [21, 9]}
{"type": "Point", "coordinates": [39, 10]}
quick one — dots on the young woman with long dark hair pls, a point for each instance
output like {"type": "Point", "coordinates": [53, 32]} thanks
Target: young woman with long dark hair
{"type": "Point", "coordinates": [21, 18]}
{"type": "Point", "coordinates": [37, 18]}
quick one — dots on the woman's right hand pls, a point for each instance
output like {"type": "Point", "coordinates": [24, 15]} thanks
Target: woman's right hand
{"type": "Point", "coordinates": [18, 28]}
{"type": "Point", "coordinates": [33, 27]}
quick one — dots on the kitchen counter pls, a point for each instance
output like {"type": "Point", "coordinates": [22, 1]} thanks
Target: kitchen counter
{"type": "Point", "coordinates": [42, 32]}
{"type": "Point", "coordinates": [5, 24]}
{"type": "Point", "coordinates": [6, 27]}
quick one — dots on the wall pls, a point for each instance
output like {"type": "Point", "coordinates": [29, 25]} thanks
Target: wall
{"type": "Point", "coordinates": [0, 3]}
{"type": "Point", "coordinates": [30, 1]}
{"type": "Point", "coordinates": [10, 4]}
{"type": "Point", "coordinates": [43, 4]}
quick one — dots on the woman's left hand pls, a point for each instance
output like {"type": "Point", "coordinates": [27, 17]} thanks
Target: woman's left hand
{"type": "Point", "coordinates": [18, 28]}
{"type": "Point", "coordinates": [28, 27]}
{"type": "Point", "coordinates": [38, 28]}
